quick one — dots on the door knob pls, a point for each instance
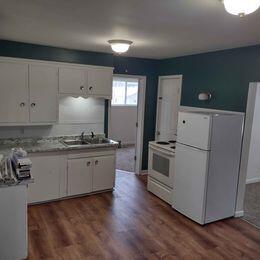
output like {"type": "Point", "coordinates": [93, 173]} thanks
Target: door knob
{"type": "Point", "coordinates": [22, 104]}
{"type": "Point", "coordinates": [33, 105]}
{"type": "Point", "coordinates": [81, 88]}
{"type": "Point", "coordinates": [88, 163]}
{"type": "Point", "coordinates": [90, 88]}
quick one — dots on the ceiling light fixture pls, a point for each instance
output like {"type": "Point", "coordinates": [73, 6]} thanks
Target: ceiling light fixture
{"type": "Point", "coordinates": [120, 46]}
{"type": "Point", "coordinates": [241, 7]}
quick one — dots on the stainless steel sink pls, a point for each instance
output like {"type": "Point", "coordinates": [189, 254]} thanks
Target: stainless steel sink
{"type": "Point", "coordinates": [85, 142]}
{"type": "Point", "coordinates": [98, 141]}
{"type": "Point", "coordinates": [74, 142]}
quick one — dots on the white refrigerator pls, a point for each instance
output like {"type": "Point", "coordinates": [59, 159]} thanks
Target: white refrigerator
{"type": "Point", "coordinates": [207, 162]}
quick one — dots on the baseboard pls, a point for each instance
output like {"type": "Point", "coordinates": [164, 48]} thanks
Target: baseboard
{"type": "Point", "coordinates": [253, 180]}
{"type": "Point", "coordinates": [239, 214]}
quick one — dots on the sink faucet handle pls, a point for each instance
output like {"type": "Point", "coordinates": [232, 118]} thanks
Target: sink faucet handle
{"type": "Point", "coordinates": [82, 135]}
{"type": "Point", "coordinates": [92, 135]}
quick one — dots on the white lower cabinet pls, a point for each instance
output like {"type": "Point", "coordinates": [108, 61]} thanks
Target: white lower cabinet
{"type": "Point", "coordinates": [46, 171]}
{"type": "Point", "coordinates": [103, 173]}
{"type": "Point", "coordinates": [57, 175]}
{"type": "Point", "coordinates": [79, 176]}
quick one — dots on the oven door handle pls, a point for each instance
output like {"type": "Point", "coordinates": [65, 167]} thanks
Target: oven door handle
{"type": "Point", "coordinates": [156, 149]}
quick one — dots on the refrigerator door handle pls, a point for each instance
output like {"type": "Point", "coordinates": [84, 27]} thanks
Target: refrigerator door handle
{"type": "Point", "coordinates": [192, 147]}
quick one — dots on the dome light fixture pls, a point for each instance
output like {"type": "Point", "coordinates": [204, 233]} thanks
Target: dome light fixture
{"type": "Point", "coordinates": [120, 46]}
{"type": "Point", "coordinates": [241, 7]}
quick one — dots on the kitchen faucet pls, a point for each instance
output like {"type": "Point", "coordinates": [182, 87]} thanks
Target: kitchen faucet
{"type": "Point", "coordinates": [82, 136]}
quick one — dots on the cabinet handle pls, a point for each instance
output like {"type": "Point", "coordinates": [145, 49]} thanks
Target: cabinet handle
{"type": "Point", "coordinates": [22, 104]}
{"type": "Point", "coordinates": [33, 105]}
{"type": "Point", "coordinates": [90, 88]}
{"type": "Point", "coordinates": [88, 163]}
{"type": "Point", "coordinates": [96, 162]}
{"type": "Point", "coordinates": [81, 88]}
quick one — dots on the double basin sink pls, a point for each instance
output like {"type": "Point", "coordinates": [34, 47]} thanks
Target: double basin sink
{"type": "Point", "coordinates": [85, 141]}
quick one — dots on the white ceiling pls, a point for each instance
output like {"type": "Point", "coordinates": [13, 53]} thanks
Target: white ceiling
{"type": "Point", "coordinates": [158, 28]}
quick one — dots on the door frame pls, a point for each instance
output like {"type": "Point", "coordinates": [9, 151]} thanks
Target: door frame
{"type": "Point", "coordinates": [248, 125]}
{"type": "Point", "coordinates": [160, 78]}
{"type": "Point", "coordinates": [140, 119]}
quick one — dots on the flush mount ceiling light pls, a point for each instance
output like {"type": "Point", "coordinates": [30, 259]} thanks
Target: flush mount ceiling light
{"type": "Point", "coordinates": [241, 7]}
{"type": "Point", "coordinates": [120, 46]}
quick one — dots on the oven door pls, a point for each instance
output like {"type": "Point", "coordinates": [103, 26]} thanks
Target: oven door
{"type": "Point", "coordinates": [161, 165]}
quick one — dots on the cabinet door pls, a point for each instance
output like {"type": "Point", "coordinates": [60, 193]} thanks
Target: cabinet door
{"type": "Point", "coordinates": [14, 92]}
{"type": "Point", "coordinates": [100, 82]}
{"type": "Point", "coordinates": [80, 173]}
{"type": "Point", "coordinates": [103, 173]}
{"type": "Point", "coordinates": [43, 89]}
{"type": "Point", "coordinates": [72, 81]}
{"type": "Point", "coordinates": [46, 174]}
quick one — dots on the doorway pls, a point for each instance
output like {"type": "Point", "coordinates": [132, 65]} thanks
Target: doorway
{"type": "Point", "coordinates": [126, 113]}
{"type": "Point", "coordinates": [168, 102]}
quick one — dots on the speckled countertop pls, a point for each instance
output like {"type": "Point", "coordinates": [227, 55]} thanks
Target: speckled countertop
{"type": "Point", "coordinates": [34, 145]}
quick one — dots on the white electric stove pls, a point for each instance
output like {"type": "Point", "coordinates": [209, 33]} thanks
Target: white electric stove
{"type": "Point", "coordinates": [161, 169]}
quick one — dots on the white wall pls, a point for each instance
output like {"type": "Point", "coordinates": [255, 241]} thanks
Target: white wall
{"type": "Point", "coordinates": [75, 115]}
{"type": "Point", "coordinates": [123, 124]}
{"type": "Point", "coordinates": [253, 168]}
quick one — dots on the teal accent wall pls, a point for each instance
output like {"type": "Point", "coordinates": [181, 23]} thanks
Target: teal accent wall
{"type": "Point", "coordinates": [226, 74]}
{"type": "Point", "coordinates": [122, 65]}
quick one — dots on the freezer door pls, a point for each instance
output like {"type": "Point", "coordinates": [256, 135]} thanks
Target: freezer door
{"type": "Point", "coordinates": [194, 130]}
{"type": "Point", "coordinates": [189, 182]}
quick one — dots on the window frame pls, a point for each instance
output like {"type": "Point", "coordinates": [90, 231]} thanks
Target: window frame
{"type": "Point", "coordinates": [125, 80]}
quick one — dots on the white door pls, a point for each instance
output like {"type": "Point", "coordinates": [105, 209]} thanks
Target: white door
{"type": "Point", "coordinates": [168, 101]}
{"type": "Point", "coordinates": [43, 88]}
{"type": "Point", "coordinates": [104, 173]}
{"type": "Point", "coordinates": [100, 82]}
{"type": "Point", "coordinates": [72, 81]}
{"type": "Point", "coordinates": [14, 92]}
{"type": "Point", "coordinates": [46, 174]}
{"type": "Point", "coordinates": [189, 183]}
{"type": "Point", "coordinates": [80, 173]}
{"type": "Point", "coordinates": [194, 129]}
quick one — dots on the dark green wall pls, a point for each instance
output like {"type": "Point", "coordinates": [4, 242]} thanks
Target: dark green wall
{"type": "Point", "coordinates": [122, 65]}
{"type": "Point", "coordinates": [226, 74]}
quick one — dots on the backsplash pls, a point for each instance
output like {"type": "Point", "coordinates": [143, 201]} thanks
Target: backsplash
{"type": "Point", "coordinates": [75, 115]}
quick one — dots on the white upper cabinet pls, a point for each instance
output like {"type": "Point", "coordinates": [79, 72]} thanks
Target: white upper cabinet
{"type": "Point", "coordinates": [86, 81]}
{"type": "Point", "coordinates": [30, 89]}
{"type": "Point", "coordinates": [43, 93]}
{"type": "Point", "coordinates": [14, 92]}
{"type": "Point", "coordinates": [72, 80]}
{"type": "Point", "coordinates": [100, 82]}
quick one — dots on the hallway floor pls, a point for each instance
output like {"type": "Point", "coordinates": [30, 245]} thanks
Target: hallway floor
{"type": "Point", "coordinates": [252, 204]}
{"type": "Point", "coordinates": [125, 158]}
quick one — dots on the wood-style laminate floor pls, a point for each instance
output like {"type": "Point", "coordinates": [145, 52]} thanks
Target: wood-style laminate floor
{"type": "Point", "coordinates": [131, 223]}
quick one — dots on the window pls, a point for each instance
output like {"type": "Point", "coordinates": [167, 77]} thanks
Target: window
{"type": "Point", "coordinates": [125, 92]}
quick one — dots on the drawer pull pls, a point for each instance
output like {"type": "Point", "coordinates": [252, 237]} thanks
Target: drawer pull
{"type": "Point", "coordinates": [96, 162]}
{"type": "Point", "coordinates": [88, 163]}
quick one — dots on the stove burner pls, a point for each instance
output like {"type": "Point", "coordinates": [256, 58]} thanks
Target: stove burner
{"type": "Point", "coordinates": [163, 143]}
{"type": "Point", "coordinates": [172, 141]}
